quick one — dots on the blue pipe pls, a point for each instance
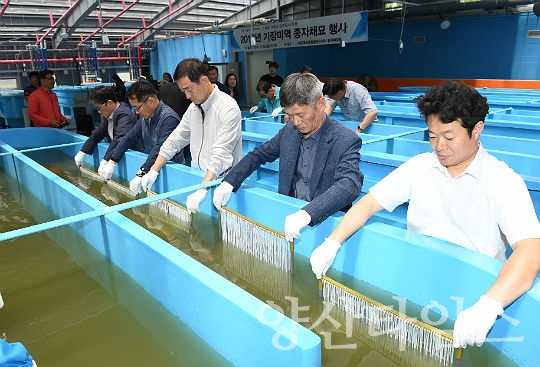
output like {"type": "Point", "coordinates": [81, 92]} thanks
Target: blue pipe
{"type": "Point", "coordinates": [41, 148]}
{"type": "Point", "coordinates": [102, 211]}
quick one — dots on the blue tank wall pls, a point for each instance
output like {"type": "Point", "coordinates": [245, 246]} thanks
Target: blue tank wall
{"type": "Point", "coordinates": [486, 47]}
{"type": "Point", "coordinates": [224, 315]}
{"type": "Point", "coordinates": [443, 272]}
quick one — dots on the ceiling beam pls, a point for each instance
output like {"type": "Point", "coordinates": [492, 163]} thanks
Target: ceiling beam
{"type": "Point", "coordinates": [257, 10]}
{"type": "Point", "coordinates": [162, 19]}
{"type": "Point", "coordinates": [81, 11]}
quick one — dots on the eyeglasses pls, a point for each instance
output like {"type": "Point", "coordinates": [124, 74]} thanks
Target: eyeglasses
{"type": "Point", "coordinates": [139, 106]}
{"type": "Point", "coordinates": [51, 79]}
{"type": "Point", "coordinates": [101, 107]}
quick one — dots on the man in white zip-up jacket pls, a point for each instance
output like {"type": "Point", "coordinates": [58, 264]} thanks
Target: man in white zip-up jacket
{"type": "Point", "coordinates": [212, 125]}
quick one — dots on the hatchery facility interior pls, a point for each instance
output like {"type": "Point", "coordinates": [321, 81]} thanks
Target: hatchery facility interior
{"type": "Point", "coordinates": [202, 183]}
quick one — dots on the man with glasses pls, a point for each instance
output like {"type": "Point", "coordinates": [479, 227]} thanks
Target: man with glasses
{"type": "Point", "coordinates": [155, 124]}
{"type": "Point", "coordinates": [43, 107]}
{"type": "Point", "coordinates": [117, 120]}
{"type": "Point", "coordinates": [212, 125]}
{"type": "Point", "coordinates": [269, 94]}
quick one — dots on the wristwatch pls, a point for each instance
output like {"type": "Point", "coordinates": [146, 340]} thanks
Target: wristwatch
{"type": "Point", "coordinates": [359, 128]}
{"type": "Point", "coordinates": [141, 172]}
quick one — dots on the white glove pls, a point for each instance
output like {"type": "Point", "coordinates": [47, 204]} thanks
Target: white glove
{"type": "Point", "coordinates": [473, 324]}
{"type": "Point", "coordinates": [195, 199]}
{"type": "Point", "coordinates": [222, 194]}
{"type": "Point", "coordinates": [79, 159]}
{"type": "Point", "coordinates": [135, 185]}
{"type": "Point", "coordinates": [106, 171]}
{"type": "Point", "coordinates": [294, 223]}
{"type": "Point", "coordinates": [149, 179]}
{"type": "Point", "coordinates": [102, 164]}
{"type": "Point", "coordinates": [253, 109]}
{"type": "Point", "coordinates": [323, 256]}
{"type": "Point", "coordinates": [276, 112]}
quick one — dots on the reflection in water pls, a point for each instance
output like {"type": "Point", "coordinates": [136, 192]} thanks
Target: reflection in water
{"type": "Point", "coordinates": [12, 216]}
{"type": "Point", "coordinates": [71, 307]}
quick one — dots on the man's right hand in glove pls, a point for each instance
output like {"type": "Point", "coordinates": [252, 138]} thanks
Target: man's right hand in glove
{"type": "Point", "coordinates": [149, 179]}
{"type": "Point", "coordinates": [222, 194]}
{"type": "Point", "coordinates": [323, 256]}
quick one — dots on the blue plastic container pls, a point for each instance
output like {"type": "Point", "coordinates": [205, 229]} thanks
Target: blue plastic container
{"type": "Point", "coordinates": [11, 106]}
{"type": "Point", "coordinates": [421, 269]}
{"type": "Point", "coordinates": [229, 319]}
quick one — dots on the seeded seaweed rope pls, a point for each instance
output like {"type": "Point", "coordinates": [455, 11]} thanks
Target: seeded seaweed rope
{"type": "Point", "coordinates": [423, 337]}
{"type": "Point", "coordinates": [256, 239]}
{"type": "Point", "coordinates": [170, 212]}
{"type": "Point", "coordinates": [114, 185]}
{"type": "Point", "coordinates": [268, 279]}
{"type": "Point", "coordinates": [165, 209]}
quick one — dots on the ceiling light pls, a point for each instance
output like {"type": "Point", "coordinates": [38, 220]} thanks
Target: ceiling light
{"type": "Point", "coordinates": [445, 24]}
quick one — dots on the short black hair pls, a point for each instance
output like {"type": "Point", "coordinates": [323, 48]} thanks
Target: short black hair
{"type": "Point", "coordinates": [264, 86]}
{"type": "Point", "coordinates": [141, 89]}
{"type": "Point", "coordinates": [333, 86]}
{"type": "Point", "coordinates": [101, 94]}
{"type": "Point", "coordinates": [273, 63]}
{"type": "Point", "coordinates": [191, 68]}
{"type": "Point", "coordinates": [43, 73]}
{"type": "Point", "coordinates": [33, 73]}
{"type": "Point", "coordinates": [452, 101]}
{"type": "Point", "coordinates": [306, 69]}
{"type": "Point", "coordinates": [212, 67]}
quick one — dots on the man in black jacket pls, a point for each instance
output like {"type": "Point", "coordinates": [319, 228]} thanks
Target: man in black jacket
{"type": "Point", "coordinates": [116, 120]}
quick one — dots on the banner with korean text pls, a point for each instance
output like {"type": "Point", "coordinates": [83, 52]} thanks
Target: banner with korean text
{"type": "Point", "coordinates": [349, 27]}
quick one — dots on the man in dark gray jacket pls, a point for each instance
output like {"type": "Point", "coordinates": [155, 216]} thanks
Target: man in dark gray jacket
{"type": "Point", "coordinates": [117, 120]}
{"type": "Point", "coordinates": [318, 157]}
{"type": "Point", "coordinates": [155, 124]}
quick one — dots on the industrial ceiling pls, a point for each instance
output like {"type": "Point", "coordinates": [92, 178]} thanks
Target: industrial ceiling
{"type": "Point", "coordinates": [65, 24]}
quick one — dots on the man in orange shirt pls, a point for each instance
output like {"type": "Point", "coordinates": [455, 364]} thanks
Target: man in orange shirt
{"type": "Point", "coordinates": [43, 107]}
